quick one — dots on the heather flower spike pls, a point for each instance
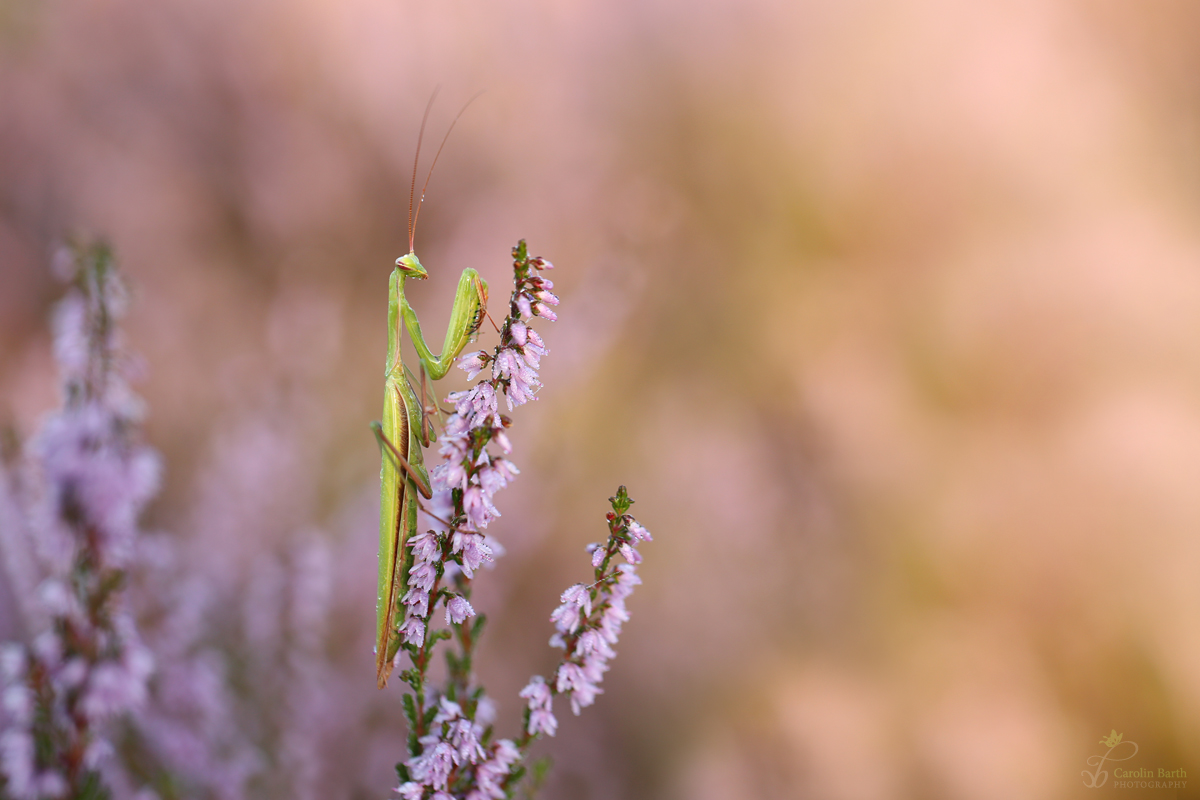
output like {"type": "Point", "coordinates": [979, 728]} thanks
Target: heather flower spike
{"type": "Point", "coordinates": [86, 665]}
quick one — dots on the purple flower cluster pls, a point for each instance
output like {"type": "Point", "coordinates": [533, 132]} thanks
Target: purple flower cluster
{"type": "Point", "coordinates": [87, 664]}
{"type": "Point", "coordinates": [540, 700]}
{"type": "Point", "coordinates": [453, 743]}
{"type": "Point", "coordinates": [469, 475]}
{"type": "Point", "coordinates": [588, 622]}
{"type": "Point", "coordinates": [427, 556]}
{"type": "Point", "coordinates": [467, 466]}
{"type": "Point", "coordinates": [492, 775]}
{"type": "Point", "coordinates": [453, 754]}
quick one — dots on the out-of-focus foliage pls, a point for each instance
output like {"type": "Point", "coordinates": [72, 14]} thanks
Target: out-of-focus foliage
{"type": "Point", "coordinates": [888, 314]}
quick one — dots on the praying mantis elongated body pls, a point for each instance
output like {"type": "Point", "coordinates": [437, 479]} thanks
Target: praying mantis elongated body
{"type": "Point", "coordinates": [403, 431]}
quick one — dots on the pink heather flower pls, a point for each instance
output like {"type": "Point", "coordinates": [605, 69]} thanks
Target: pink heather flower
{"type": "Point", "coordinates": [16, 761]}
{"type": "Point", "coordinates": [433, 766]}
{"type": "Point", "coordinates": [542, 721]}
{"type": "Point", "coordinates": [464, 738]}
{"type": "Point", "coordinates": [449, 475]}
{"type": "Point", "coordinates": [490, 480]}
{"type": "Point", "coordinates": [473, 549]}
{"type": "Point", "coordinates": [117, 686]}
{"type": "Point", "coordinates": [73, 673]}
{"type": "Point", "coordinates": [425, 547]}
{"type": "Point", "coordinates": [475, 405]}
{"type": "Point", "coordinates": [525, 307]}
{"type": "Point", "coordinates": [457, 610]}
{"type": "Point", "coordinates": [537, 692]}
{"type": "Point", "coordinates": [536, 344]}
{"type": "Point", "coordinates": [598, 552]}
{"type": "Point", "coordinates": [479, 507]}
{"type": "Point", "coordinates": [18, 702]}
{"type": "Point", "coordinates": [522, 389]}
{"type": "Point", "coordinates": [566, 618]}
{"type": "Point", "coordinates": [574, 678]}
{"type": "Point", "coordinates": [578, 595]}
{"type": "Point", "coordinates": [627, 578]}
{"type": "Point", "coordinates": [96, 752]}
{"type": "Point", "coordinates": [576, 599]}
{"type": "Point", "coordinates": [523, 379]}
{"type": "Point", "coordinates": [639, 533]}
{"type": "Point", "coordinates": [631, 555]}
{"type": "Point", "coordinates": [57, 599]}
{"type": "Point", "coordinates": [507, 364]}
{"type": "Point", "coordinates": [52, 784]}
{"type": "Point", "coordinates": [447, 710]}
{"type": "Point", "coordinates": [490, 775]}
{"type": "Point", "coordinates": [422, 575]}
{"type": "Point", "coordinates": [505, 469]}
{"type": "Point", "coordinates": [48, 648]}
{"type": "Point", "coordinates": [593, 642]}
{"type": "Point", "coordinates": [417, 600]}
{"type": "Point", "coordinates": [611, 621]}
{"type": "Point", "coordinates": [540, 701]}
{"type": "Point", "coordinates": [413, 631]}
{"type": "Point", "coordinates": [594, 667]}
{"type": "Point", "coordinates": [12, 662]}
{"type": "Point", "coordinates": [519, 332]}
{"type": "Point", "coordinates": [410, 790]}
{"type": "Point", "coordinates": [473, 363]}
{"type": "Point", "coordinates": [485, 711]}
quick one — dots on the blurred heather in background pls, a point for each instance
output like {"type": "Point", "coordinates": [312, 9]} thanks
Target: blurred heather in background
{"type": "Point", "coordinates": [888, 314]}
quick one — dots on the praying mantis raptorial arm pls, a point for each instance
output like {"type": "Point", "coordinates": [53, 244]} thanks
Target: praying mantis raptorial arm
{"type": "Point", "coordinates": [403, 429]}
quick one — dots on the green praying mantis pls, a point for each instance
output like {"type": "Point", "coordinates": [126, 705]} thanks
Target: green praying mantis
{"type": "Point", "coordinates": [405, 428]}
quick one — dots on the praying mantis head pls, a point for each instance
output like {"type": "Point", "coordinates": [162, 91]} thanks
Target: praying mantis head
{"type": "Point", "coordinates": [410, 267]}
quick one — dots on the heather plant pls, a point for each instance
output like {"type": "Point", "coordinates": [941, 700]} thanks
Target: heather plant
{"type": "Point", "coordinates": [113, 690]}
{"type": "Point", "coordinates": [452, 749]}
{"type": "Point", "coordinates": [87, 476]}
{"type": "Point", "coordinates": [93, 706]}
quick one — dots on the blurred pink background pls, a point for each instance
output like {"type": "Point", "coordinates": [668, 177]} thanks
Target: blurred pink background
{"type": "Point", "coordinates": [888, 314]}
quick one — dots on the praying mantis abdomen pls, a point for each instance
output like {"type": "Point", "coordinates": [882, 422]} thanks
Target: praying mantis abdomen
{"type": "Point", "coordinates": [397, 518]}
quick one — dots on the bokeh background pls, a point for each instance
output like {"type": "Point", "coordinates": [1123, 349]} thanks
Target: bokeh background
{"type": "Point", "coordinates": [888, 313]}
